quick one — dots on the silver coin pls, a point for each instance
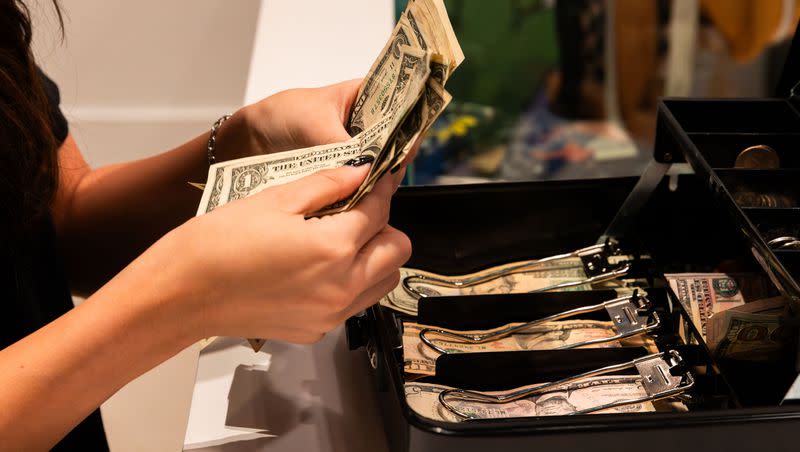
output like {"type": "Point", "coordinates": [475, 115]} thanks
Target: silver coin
{"type": "Point", "coordinates": [795, 245]}
{"type": "Point", "coordinates": [786, 242]}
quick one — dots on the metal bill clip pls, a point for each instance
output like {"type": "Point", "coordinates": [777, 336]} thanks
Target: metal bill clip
{"type": "Point", "coordinates": [663, 375]}
{"type": "Point", "coordinates": [631, 315]}
{"type": "Point", "coordinates": [593, 258]}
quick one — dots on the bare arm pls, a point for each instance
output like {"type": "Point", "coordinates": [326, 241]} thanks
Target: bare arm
{"type": "Point", "coordinates": [108, 216]}
{"type": "Point", "coordinates": [54, 378]}
{"type": "Point", "coordinates": [279, 276]}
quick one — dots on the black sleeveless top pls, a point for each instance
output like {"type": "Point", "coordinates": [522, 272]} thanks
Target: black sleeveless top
{"type": "Point", "coordinates": [35, 290]}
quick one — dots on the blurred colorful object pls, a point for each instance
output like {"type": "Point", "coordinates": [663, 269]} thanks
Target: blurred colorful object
{"type": "Point", "coordinates": [543, 144]}
{"type": "Point", "coordinates": [510, 47]}
{"type": "Point", "coordinates": [532, 99]}
{"type": "Point", "coordinates": [454, 136]}
{"type": "Point", "coordinates": [749, 26]}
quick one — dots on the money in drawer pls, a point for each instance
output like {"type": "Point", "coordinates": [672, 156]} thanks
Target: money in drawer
{"type": "Point", "coordinates": [654, 313]}
{"type": "Point", "coordinates": [630, 338]}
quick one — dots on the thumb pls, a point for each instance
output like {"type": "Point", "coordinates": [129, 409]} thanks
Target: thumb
{"type": "Point", "coordinates": [347, 92]}
{"type": "Point", "coordinates": [323, 188]}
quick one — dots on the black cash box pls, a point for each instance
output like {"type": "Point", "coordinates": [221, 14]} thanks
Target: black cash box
{"type": "Point", "coordinates": [689, 223]}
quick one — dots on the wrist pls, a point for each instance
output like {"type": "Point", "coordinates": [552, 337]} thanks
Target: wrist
{"type": "Point", "coordinates": [255, 118]}
{"type": "Point", "coordinates": [234, 138]}
{"type": "Point", "coordinates": [158, 285]}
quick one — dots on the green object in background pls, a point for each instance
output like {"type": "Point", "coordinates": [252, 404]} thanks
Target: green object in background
{"type": "Point", "coordinates": [509, 45]}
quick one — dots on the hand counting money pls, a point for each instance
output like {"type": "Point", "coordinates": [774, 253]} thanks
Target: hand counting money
{"type": "Point", "coordinates": [400, 98]}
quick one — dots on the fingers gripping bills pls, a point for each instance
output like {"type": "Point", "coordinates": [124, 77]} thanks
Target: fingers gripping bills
{"type": "Point", "coordinates": [399, 99]}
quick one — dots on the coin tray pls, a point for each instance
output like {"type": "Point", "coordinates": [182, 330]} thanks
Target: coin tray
{"type": "Point", "coordinates": [721, 149]}
{"type": "Point", "coordinates": [777, 189]}
{"type": "Point", "coordinates": [773, 223]}
{"type": "Point", "coordinates": [683, 135]}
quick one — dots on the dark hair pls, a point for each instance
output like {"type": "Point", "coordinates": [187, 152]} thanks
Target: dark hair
{"type": "Point", "coordinates": [28, 160]}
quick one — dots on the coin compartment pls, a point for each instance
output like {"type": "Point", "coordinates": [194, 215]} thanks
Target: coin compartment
{"type": "Point", "coordinates": [734, 115]}
{"type": "Point", "coordinates": [721, 149]}
{"type": "Point", "coordinates": [773, 223]}
{"type": "Point", "coordinates": [754, 202]}
{"type": "Point", "coordinates": [762, 188]}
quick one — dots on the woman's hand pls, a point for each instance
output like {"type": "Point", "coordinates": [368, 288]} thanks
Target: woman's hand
{"type": "Point", "coordinates": [293, 119]}
{"type": "Point", "coordinates": [258, 268]}
{"type": "Point", "coordinates": [299, 118]}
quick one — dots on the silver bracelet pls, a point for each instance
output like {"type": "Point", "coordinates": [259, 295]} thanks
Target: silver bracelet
{"type": "Point", "coordinates": [212, 140]}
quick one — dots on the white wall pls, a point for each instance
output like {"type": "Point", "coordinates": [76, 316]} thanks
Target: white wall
{"type": "Point", "coordinates": [138, 77]}
{"type": "Point", "coordinates": [314, 43]}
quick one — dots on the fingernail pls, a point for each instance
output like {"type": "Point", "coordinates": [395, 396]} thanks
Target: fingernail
{"type": "Point", "coordinates": [360, 160]}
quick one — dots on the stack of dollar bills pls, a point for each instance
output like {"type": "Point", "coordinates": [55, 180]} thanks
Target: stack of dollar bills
{"type": "Point", "coordinates": [399, 99]}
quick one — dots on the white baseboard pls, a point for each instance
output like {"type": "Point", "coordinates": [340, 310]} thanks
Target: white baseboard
{"type": "Point", "coordinates": [145, 114]}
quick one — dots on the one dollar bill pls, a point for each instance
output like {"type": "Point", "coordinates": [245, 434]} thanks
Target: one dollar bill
{"type": "Point", "coordinates": [398, 100]}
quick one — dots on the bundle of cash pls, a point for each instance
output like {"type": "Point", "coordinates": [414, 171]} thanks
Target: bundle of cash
{"type": "Point", "coordinates": [586, 393]}
{"type": "Point", "coordinates": [704, 295]}
{"type": "Point", "coordinates": [420, 359]}
{"type": "Point", "coordinates": [398, 101]}
{"type": "Point", "coordinates": [545, 275]}
{"type": "Point", "coordinates": [751, 332]}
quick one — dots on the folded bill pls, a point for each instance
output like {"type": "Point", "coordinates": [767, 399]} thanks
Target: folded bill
{"type": "Point", "coordinates": [755, 331]}
{"type": "Point", "coordinates": [704, 295]}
